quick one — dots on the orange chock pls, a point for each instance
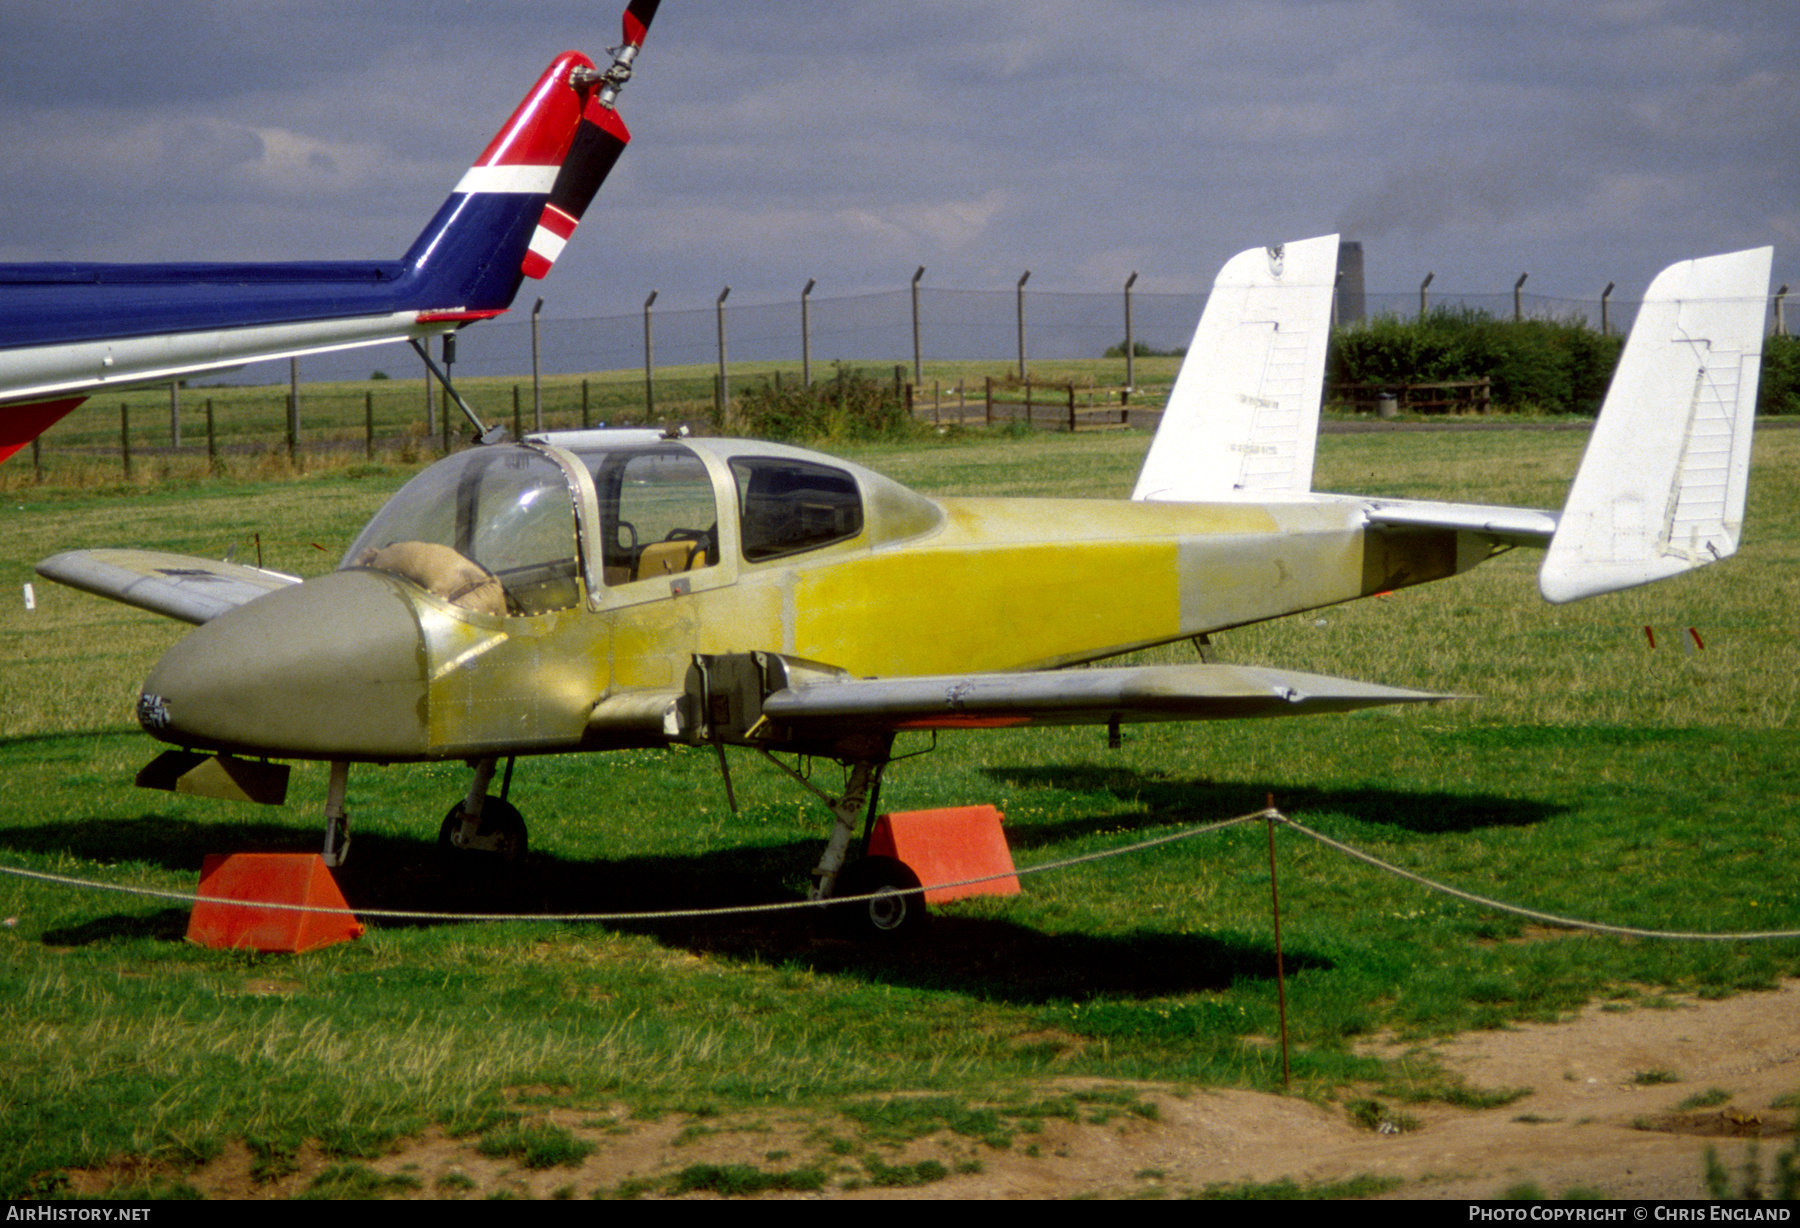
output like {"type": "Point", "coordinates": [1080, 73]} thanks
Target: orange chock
{"type": "Point", "coordinates": [269, 878]}
{"type": "Point", "coordinates": [947, 846]}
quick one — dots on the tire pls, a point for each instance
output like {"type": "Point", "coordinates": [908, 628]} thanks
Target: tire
{"type": "Point", "coordinates": [498, 818]}
{"type": "Point", "coordinates": [897, 913]}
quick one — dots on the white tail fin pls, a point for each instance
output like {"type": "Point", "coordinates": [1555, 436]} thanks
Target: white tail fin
{"type": "Point", "coordinates": [1661, 486]}
{"type": "Point", "coordinates": [1242, 421]}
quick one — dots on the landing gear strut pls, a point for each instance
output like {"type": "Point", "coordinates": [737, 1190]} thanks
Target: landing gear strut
{"type": "Point", "coordinates": [898, 906]}
{"type": "Point", "coordinates": [723, 704]}
{"type": "Point", "coordinates": [337, 818]}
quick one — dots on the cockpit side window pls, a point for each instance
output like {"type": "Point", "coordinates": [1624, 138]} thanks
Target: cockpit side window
{"type": "Point", "coordinates": [658, 514]}
{"type": "Point", "coordinates": [788, 506]}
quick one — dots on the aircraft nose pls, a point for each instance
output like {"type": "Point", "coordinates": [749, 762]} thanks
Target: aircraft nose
{"type": "Point", "coordinates": [329, 669]}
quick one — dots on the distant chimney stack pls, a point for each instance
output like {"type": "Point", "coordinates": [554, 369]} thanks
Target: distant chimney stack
{"type": "Point", "coordinates": [1350, 308]}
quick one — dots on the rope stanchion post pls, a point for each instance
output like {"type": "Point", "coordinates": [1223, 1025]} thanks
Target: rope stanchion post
{"type": "Point", "coordinates": [1269, 816]}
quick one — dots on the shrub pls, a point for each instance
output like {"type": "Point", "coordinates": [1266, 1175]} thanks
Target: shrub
{"type": "Point", "coordinates": [850, 405]}
{"type": "Point", "coordinates": [1779, 392]}
{"type": "Point", "coordinates": [1559, 366]}
{"type": "Point", "coordinates": [1140, 350]}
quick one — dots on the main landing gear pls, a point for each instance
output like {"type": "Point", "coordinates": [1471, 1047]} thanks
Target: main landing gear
{"type": "Point", "coordinates": [896, 907]}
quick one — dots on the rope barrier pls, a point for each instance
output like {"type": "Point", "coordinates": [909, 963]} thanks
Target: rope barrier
{"type": "Point", "coordinates": [1022, 872]}
{"type": "Point", "coordinates": [658, 915]}
{"type": "Point", "coordinates": [1518, 910]}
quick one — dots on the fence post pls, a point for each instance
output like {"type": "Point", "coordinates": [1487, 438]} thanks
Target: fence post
{"type": "Point", "coordinates": [990, 400]}
{"type": "Point", "coordinates": [174, 413]}
{"type": "Point", "coordinates": [368, 424]}
{"type": "Point", "coordinates": [293, 429]}
{"type": "Point", "coordinates": [1021, 291]}
{"type": "Point", "coordinates": [1071, 407]}
{"type": "Point", "coordinates": [37, 460]}
{"type": "Point", "coordinates": [1422, 287]}
{"type": "Point", "coordinates": [1518, 301]}
{"type": "Point", "coordinates": [125, 437]}
{"type": "Point", "coordinates": [1604, 296]}
{"type": "Point", "coordinates": [212, 441]}
{"type": "Point", "coordinates": [1130, 345]}
{"type": "Point", "coordinates": [649, 363]}
{"type": "Point", "coordinates": [430, 404]}
{"type": "Point", "coordinates": [584, 403]}
{"type": "Point", "coordinates": [517, 426]}
{"type": "Point", "coordinates": [1780, 313]}
{"type": "Point", "coordinates": [918, 376]}
{"type": "Point", "coordinates": [806, 332]}
{"type": "Point", "coordinates": [537, 384]}
{"type": "Point", "coordinates": [724, 380]}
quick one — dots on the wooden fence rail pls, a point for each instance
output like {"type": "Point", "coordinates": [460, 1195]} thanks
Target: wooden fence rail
{"type": "Point", "coordinates": [1455, 396]}
{"type": "Point", "coordinates": [1065, 406]}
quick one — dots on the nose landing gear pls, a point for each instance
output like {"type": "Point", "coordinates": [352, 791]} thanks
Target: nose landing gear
{"type": "Point", "coordinates": [482, 830]}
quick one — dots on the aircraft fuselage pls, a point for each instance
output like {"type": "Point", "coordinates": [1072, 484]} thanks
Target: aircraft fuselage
{"type": "Point", "coordinates": [366, 664]}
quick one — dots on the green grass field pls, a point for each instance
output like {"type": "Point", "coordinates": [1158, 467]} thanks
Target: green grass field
{"type": "Point", "coordinates": [1592, 776]}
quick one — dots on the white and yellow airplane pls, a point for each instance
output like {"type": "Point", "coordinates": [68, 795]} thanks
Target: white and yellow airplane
{"type": "Point", "coordinates": [599, 590]}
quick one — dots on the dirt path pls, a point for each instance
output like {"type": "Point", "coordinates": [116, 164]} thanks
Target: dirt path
{"type": "Point", "coordinates": [1602, 1116]}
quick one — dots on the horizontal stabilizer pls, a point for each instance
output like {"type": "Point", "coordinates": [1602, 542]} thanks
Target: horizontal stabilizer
{"type": "Point", "coordinates": [176, 585]}
{"type": "Point", "coordinates": [1661, 486]}
{"type": "Point", "coordinates": [1074, 697]}
{"type": "Point", "coordinates": [1242, 421]}
{"type": "Point", "coordinates": [1509, 526]}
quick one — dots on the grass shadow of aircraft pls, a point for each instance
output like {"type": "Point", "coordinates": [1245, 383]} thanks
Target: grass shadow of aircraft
{"type": "Point", "coordinates": [987, 957]}
{"type": "Point", "coordinates": [1161, 802]}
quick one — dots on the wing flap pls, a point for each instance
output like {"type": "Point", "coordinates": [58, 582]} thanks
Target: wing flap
{"type": "Point", "coordinates": [1075, 697]}
{"type": "Point", "coordinates": [175, 585]}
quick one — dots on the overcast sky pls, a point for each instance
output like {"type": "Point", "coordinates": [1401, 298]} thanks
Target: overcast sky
{"type": "Point", "coordinates": [851, 142]}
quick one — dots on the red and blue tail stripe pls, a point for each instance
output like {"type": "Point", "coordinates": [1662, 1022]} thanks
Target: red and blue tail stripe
{"type": "Point", "coordinates": [67, 330]}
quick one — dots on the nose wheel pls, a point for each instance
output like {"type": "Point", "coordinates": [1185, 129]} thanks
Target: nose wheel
{"type": "Point", "coordinates": [481, 830]}
{"type": "Point", "coordinates": [498, 835]}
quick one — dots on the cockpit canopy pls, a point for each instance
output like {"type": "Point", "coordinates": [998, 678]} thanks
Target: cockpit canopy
{"type": "Point", "coordinates": [505, 531]}
{"type": "Point", "coordinates": [490, 529]}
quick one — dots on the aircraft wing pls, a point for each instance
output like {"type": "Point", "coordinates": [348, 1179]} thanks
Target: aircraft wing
{"type": "Point", "coordinates": [177, 585]}
{"type": "Point", "coordinates": [1072, 697]}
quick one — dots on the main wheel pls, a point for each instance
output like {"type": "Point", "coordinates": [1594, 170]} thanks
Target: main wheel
{"type": "Point", "coordinates": [897, 911]}
{"type": "Point", "coordinates": [500, 821]}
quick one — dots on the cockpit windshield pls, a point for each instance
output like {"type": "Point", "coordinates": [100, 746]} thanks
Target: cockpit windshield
{"type": "Point", "coordinates": [490, 529]}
